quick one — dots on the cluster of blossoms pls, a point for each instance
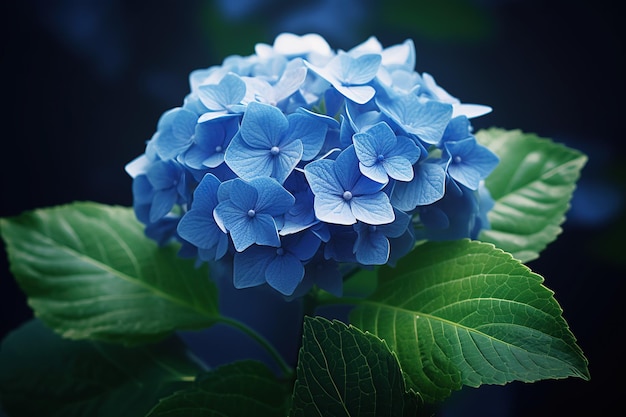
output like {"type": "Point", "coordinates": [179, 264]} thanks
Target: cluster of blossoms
{"type": "Point", "coordinates": [297, 161]}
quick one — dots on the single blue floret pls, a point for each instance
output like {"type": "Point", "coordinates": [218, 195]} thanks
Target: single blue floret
{"type": "Point", "coordinates": [343, 195]}
{"type": "Point", "coordinates": [263, 146]}
{"type": "Point", "coordinates": [382, 154]}
{"type": "Point", "coordinates": [248, 210]}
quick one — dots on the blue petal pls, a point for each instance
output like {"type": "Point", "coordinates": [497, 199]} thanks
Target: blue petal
{"type": "Point", "coordinates": [470, 162]}
{"type": "Point", "coordinates": [261, 229]}
{"type": "Point", "coordinates": [142, 190]}
{"type": "Point", "coordinates": [302, 245]}
{"type": "Point", "coordinates": [398, 167]}
{"type": "Point", "coordinates": [347, 169]}
{"type": "Point", "coordinates": [425, 118]}
{"type": "Point", "coordinates": [248, 162]}
{"type": "Point", "coordinates": [163, 174]}
{"type": "Point", "coordinates": [249, 266]}
{"type": "Point", "coordinates": [263, 125]}
{"type": "Point", "coordinates": [372, 209]}
{"type": "Point", "coordinates": [162, 202]}
{"type": "Point", "coordinates": [427, 186]}
{"type": "Point", "coordinates": [284, 273]}
{"type": "Point", "coordinates": [371, 248]}
{"type": "Point", "coordinates": [373, 142]}
{"type": "Point", "coordinates": [176, 136]}
{"type": "Point", "coordinates": [322, 178]}
{"type": "Point", "coordinates": [272, 197]}
{"type": "Point", "coordinates": [310, 129]}
{"type": "Point", "coordinates": [333, 209]}
{"type": "Point", "coordinates": [285, 161]}
{"type": "Point", "coordinates": [377, 172]}
{"type": "Point", "coordinates": [243, 195]}
{"type": "Point", "coordinates": [205, 194]}
{"type": "Point", "coordinates": [356, 71]}
{"type": "Point", "coordinates": [199, 228]}
{"type": "Point", "coordinates": [230, 90]}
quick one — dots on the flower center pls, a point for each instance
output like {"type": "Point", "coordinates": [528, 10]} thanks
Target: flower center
{"type": "Point", "coordinates": [275, 150]}
{"type": "Point", "coordinates": [251, 213]}
{"type": "Point", "coordinates": [280, 251]}
{"type": "Point", "coordinates": [372, 228]}
{"type": "Point", "coordinates": [347, 195]}
{"type": "Point", "coordinates": [218, 149]}
{"type": "Point", "coordinates": [457, 159]}
{"type": "Point", "coordinates": [381, 158]}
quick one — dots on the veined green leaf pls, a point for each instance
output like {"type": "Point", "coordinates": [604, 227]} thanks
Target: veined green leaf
{"type": "Point", "coordinates": [532, 187]}
{"type": "Point", "coordinates": [345, 372]}
{"type": "Point", "coordinates": [90, 273]}
{"type": "Point", "coordinates": [466, 313]}
{"type": "Point", "coordinates": [239, 389]}
{"type": "Point", "coordinates": [42, 374]}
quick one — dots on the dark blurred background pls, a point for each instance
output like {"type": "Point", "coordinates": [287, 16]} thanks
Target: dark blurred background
{"type": "Point", "coordinates": [85, 81]}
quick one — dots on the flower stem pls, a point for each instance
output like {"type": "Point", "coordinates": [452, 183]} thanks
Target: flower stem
{"type": "Point", "coordinates": [244, 328]}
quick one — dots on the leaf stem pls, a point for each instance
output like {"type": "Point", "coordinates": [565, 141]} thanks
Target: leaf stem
{"type": "Point", "coordinates": [244, 328]}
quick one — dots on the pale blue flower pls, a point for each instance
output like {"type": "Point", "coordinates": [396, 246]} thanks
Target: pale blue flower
{"type": "Point", "coordinates": [343, 195]}
{"type": "Point", "coordinates": [263, 145]}
{"type": "Point", "coordinates": [383, 155]}
{"type": "Point", "coordinates": [470, 162]}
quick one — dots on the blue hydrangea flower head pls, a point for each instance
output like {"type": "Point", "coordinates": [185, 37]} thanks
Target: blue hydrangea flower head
{"type": "Point", "coordinates": [297, 163]}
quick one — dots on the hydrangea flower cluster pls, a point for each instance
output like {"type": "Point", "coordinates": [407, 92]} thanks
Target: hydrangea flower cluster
{"type": "Point", "coordinates": [299, 160]}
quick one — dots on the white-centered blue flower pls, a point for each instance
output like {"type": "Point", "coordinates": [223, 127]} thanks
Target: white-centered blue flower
{"type": "Point", "coordinates": [263, 146]}
{"type": "Point", "coordinates": [470, 162]}
{"type": "Point", "coordinates": [247, 210]}
{"type": "Point", "coordinates": [343, 195]}
{"type": "Point", "coordinates": [383, 155]}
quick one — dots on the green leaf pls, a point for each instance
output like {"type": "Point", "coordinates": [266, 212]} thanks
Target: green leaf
{"type": "Point", "coordinates": [90, 273]}
{"type": "Point", "coordinates": [245, 388]}
{"type": "Point", "coordinates": [345, 372]}
{"type": "Point", "coordinates": [42, 374]}
{"type": "Point", "coordinates": [532, 187]}
{"type": "Point", "coordinates": [466, 313]}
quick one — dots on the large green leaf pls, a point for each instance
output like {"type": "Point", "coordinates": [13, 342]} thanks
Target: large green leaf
{"type": "Point", "coordinates": [42, 374]}
{"type": "Point", "coordinates": [345, 372]}
{"type": "Point", "coordinates": [466, 313]}
{"type": "Point", "coordinates": [90, 273]}
{"type": "Point", "coordinates": [532, 187]}
{"type": "Point", "coordinates": [239, 389]}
